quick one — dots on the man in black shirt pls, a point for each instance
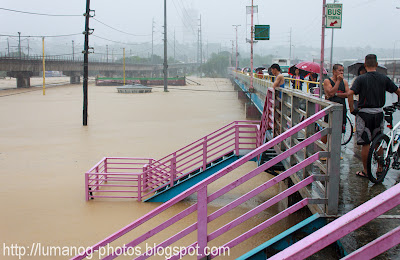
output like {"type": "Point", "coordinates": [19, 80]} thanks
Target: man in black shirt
{"type": "Point", "coordinates": [371, 88]}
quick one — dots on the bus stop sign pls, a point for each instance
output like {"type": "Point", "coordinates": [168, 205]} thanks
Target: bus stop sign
{"type": "Point", "coordinates": [333, 16]}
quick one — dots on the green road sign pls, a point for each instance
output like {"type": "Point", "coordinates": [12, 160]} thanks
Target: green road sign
{"type": "Point", "coordinates": [261, 32]}
{"type": "Point", "coordinates": [333, 16]}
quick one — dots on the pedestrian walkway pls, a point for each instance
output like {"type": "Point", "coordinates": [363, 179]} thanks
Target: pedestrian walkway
{"type": "Point", "coordinates": [354, 191]}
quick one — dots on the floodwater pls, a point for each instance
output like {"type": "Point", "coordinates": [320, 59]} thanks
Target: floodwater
{"type": "Point", "coordinates": [45, 151]}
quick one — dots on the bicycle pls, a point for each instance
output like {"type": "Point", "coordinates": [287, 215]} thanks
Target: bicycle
{"type": "Point", "coordinates": [347, 131]}
{"type": "Point", "coordinates": [384, 149]}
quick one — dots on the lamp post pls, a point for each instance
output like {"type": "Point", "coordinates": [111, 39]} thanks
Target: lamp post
{"type": "Point", "coordinates": [394, 61]}
{"type": "Point", "coordinates": [236, 27]}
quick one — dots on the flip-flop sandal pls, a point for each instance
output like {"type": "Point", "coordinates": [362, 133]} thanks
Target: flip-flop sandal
{"type": "Point", "coordinates": [361, 174]}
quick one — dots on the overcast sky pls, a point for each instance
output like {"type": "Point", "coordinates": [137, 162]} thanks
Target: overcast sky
{"type": "Point", "coordinates": [365, 22]}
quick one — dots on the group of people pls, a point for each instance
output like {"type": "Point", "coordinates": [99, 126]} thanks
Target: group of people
{"type": "Point", "coordinates": [370, 87]}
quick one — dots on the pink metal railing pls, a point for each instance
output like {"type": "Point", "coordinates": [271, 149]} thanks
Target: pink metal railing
{"type": "Point", "coordinates": [203, 199]}
{"type": "Point", "coordinates": [141, 177]}
{"type": "Point", "coordinates": [118, 177]}
{"type": "Point", "coordinates": [267, 118]}
{"type": "Point", "coordinates": [234, 137]}
{"type": "Point", "coordinates": [347, 224]}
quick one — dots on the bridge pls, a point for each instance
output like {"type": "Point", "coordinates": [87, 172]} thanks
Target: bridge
{"type": "Point", "coordinates": [287, 127]}
{"type": "Point", "coordinates": [27, 66]}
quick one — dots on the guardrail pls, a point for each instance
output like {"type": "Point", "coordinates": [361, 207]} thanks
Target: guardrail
{"type": "Point", "coordinates": [145, 231]}
{"type": "Point", "coordinates": [347, 224]}
{"type": "Point", "coordinates": [116, 176]}
{"type": "Point", "coordinates": [287, 107]}
{"type": "Point", "coordinates": [145, 176]}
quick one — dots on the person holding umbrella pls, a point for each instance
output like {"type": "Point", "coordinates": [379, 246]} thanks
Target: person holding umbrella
{"type": "Point", "coordinates": [361, 71]}
{"type": "Point", "coordinates": [297, 84]}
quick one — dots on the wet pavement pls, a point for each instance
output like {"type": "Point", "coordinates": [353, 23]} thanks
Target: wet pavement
{"type": "Point", "coordinates": [354, 191]}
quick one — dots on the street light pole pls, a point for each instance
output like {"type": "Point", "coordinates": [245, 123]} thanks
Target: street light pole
{"type": "Point", "coordinates": [236, 28]}
{"type": "Point", "coordinates": [321, 71]}
{"type": "Point", "coordinates": [251, 49]}
{"type": "Point", "coordinates": [165, 49]}
{"type": "Point", "coordinates": [330, 61]}
{"type": "Point", "coordinates": [19, 44]}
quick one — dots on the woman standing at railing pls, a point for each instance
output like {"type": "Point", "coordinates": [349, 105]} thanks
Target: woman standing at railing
{"type": "Point", "coordinates": [297, 84]}
{"type": "Point", "coordinates": [313, 77]}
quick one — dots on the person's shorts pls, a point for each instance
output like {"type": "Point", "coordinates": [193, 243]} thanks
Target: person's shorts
{"type": "Point", "coordinates": [368, 126]}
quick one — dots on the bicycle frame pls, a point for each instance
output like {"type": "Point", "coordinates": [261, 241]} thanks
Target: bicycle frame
{"type": "Point", "coordinates": [392, 145]}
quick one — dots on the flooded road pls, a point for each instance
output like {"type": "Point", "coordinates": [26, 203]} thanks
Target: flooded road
{"type": "Point", "coordinates": [45, 151]}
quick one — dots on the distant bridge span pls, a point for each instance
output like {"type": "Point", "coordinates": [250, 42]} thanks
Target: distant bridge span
{"type": "Point", "coordinates": [24, 68]}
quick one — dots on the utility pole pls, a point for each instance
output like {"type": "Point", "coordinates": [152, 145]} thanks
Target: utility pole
{"type": "Point", "coordinates": [28, 46]}
{"type": "Point", "coordinates": [152, 41]}
{"type": "Point", "coordinates": [165, 49]}
{"type": "Point", "coordinates": [251, 48]}
{"type": "Point", "coordinates": [198, 45]}
{"type": "Point", "coordinates": [8, 47]}
{"type": "Point", "coordinates": [231, 57]}
{"type": "Point", "coordinates": [124, 64]}
{"type": "Point", "coordinates": [87, 32]}
{"type": "Point", "coordinates": [73, 51]}
{"type": "Point", "coordinates": [174, 44]}
{"type": "Point", "coordinates": [321, 71]}
{"type": "Point", "coordinates": [19, 44]}
{"type": "Point", "coordinates": [236, 27]}
{"type": "Point", "coordinates": [290, 47]}
{"type": "Point", "coordinates": [107, 52]}
{"type": "Point", "coordinates": [330, 61]}
{"type": "Point", "coordinates": [201, 51]}
{"type": "Point", "coordinates": [44, 68]}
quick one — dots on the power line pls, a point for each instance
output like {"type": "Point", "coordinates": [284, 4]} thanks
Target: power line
{"type": "Point", "coordinates": [16, 11]}
{"type": "Point", "coordinates": [120, 30]}
{"type": "Point", "coordinates": [120, 42]}
{"type": "Point", "coordinates": [41, 36]}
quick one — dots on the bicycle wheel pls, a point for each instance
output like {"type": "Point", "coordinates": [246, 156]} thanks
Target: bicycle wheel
{"type": "Point", "coordinates": [376, 159]}
{"type": "Point", "coordinates": [347, 132]}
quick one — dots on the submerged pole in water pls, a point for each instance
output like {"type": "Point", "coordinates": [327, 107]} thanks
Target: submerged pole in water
{"type": "Point", "coordinates": [86, 64]}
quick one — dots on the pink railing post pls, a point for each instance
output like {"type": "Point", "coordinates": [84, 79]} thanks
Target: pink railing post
{"type": "Point", "coordinates": [202, 222]}
{"type": "Point", "coordinates": [173, 169]}
{"type": "Point", "coordinates": [97, 178]}
{"type": "Point", "coordinates": [205, 153]}
{"type": "Point", "coordinates": [139, 198]}
{"type": "Point", "coordinates": [145, 168]}
{"type": "Point", "coordinates": [87, 186]}
{"type": "Point", "coordinates": [105, 170]}
{"type": "Point", "coordinates": [236, 138]}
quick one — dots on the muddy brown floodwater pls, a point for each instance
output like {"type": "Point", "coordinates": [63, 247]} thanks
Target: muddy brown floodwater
{"type": "Point", "coordinates": [45, 151]}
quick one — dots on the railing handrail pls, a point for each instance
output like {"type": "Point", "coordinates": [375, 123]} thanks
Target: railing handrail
{"type": "Point", "coordinates": [188, 148]}
{"type": "Point", "coordinates": [212, 133]}
{"type": "Point", "coordinates": [203, 184]}
{"type": "Point", "coordinates": [344, 225]}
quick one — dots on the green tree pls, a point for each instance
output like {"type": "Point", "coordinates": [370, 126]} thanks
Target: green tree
{"type": "Point", "coordinates": [217, 65]}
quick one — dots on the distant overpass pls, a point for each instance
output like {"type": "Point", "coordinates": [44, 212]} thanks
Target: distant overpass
{"type": "Point", "coordinates": [26, 67]}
